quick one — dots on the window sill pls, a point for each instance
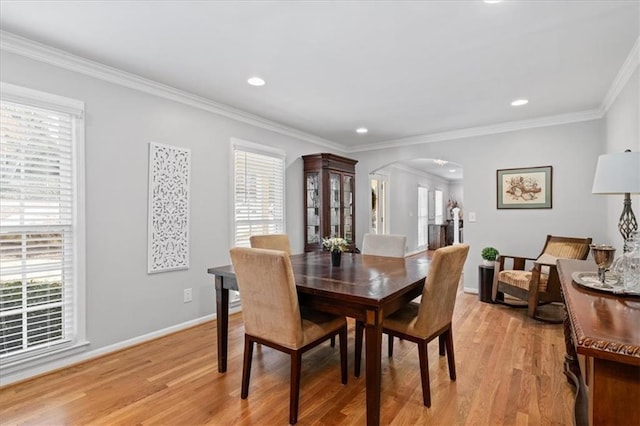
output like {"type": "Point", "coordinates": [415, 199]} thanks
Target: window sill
{"type": "Point", "coordinates": [21, 369]}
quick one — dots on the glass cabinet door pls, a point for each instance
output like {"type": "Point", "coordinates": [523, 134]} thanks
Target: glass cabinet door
{"type": "Point", "coordinates": [313, 208]}
{"type": "Point", "coordinates": [334, 205]}
{"type": "Point", "coordinates": [347, 208]}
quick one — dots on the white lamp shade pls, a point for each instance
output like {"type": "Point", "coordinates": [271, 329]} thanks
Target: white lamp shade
{"type": "Point", "coordinates": [617, 173]}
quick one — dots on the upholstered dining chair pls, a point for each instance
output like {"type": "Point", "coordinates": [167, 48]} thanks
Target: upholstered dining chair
{"type": "Point", "coordinates": [432, 317]}
{"type": "Point", "coordinates": [271, 242]}
{"type": "Point", "coordinates": [535, 280]}
{"type": "Point", "coordinates": [387, 245]}
{"type": "Point", "coordinates": [273, 317]}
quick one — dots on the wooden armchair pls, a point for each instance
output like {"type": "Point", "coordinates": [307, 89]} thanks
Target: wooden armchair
{"type": "Point", "coordinates": [536, 280]}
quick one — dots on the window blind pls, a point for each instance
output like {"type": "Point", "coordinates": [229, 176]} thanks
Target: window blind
{"type": "Point", "coordinates": [423, 215]}
{"type": "Point", "coordinates": [258, 194]}
{"type": "Point", "coordinates": [36, 228]}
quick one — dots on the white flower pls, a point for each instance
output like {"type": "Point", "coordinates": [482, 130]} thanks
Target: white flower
{"type": "Point", "coordinates": [335, 244]}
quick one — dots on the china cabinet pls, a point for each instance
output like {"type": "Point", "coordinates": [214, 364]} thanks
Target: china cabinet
{"type": "Point", "coordinates": [329, 199]}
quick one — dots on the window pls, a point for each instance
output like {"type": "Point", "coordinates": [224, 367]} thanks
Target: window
{"type": "Point", "coordinates": [439, 207]}
{"type": "Point", "coordinates": [41, 237]}
{"type": "Point", "coordinates": [258, 191]}
{"type": "Point", "coordinates": [423, 216]}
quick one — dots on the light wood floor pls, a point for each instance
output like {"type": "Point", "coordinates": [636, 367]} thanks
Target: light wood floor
{"type": "Point", "coordinates": [509, 370]}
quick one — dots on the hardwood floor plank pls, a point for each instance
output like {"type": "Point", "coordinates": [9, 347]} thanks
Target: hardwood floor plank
{"type": "Point", "coordinates": [509, 372]}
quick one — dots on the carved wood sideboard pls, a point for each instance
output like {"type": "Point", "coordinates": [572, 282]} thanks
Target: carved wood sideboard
{"type": "Point", "coordinates": [602, 336]}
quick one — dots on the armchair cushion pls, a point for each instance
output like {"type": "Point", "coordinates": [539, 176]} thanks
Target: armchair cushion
{"type": "Point", "coordinates": [565, 250]}
{"type": "Point", "coordinates": [522, 279]}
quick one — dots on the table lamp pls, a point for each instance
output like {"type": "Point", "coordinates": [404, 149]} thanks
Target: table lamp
{"type": "Point", "coordinates": [619, 173]}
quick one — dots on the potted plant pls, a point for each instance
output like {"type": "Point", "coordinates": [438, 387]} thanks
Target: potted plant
{"type": "Point", "coordinates": [336, 246]}
{"type": "Point", "coordinates": [489, 255]}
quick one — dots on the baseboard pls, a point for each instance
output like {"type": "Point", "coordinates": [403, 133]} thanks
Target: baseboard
{"type": "Point", "coordinates": [31, 372]}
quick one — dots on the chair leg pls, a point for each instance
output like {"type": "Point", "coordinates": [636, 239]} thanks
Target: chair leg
{"type": "Point", "coordinates": [448, 338]}
{"type": "Point", "coordinates": [358, 349]}
{"type": "Point", "coordinates": [246, 366]}
{"type": "Point", "coordinates": [390, 345]}
{"type": "Point", "coordinates": [294, 391]}
{"type": "Point", "coordinates": [333, 341]}
{"type": "Point", "coordinates": [441, 341]}
{"type": "Point", "coordinates": [532, 302]}
{"type": "Point", "coordinates": [343, 355]}
{"type": "Point", "coordinates": [424, 373]}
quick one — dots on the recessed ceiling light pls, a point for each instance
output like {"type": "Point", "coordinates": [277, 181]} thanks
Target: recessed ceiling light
{"type": "Point", "coordinates": [256, 81]}
{"type": "Point", "coordinates": [440, 162]}
{"type": "Point", "coordinates": [492, 1]}
{"type": "Point", "coordinates": [452, 170]}
{"type": "Point", "coordinates": [362, 130]}
{"type": "Point", "coordinates": [519, 102]}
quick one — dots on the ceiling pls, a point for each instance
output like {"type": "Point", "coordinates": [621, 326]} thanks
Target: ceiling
{"type": "Point", "coordinates": [402, 69]}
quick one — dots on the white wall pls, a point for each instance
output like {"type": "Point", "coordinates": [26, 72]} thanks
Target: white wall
{"type": "Point", "coordinates": [123, 302]}
{"type": "Point", "coordinates": [622, 132]}
{"type": "Point", "coordinates": [571, 149]}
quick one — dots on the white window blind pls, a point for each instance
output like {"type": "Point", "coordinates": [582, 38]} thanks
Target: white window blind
{"type": "Point", "coordinates": [36, 229]}
{"type": "Point", "coordinates": [439, 207]}
{"type": "Point", "coordinates": [258, 193]}
{"type": "Point", "coordinates": [423, 216]}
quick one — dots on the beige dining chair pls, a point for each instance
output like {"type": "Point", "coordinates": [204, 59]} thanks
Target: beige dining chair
{"type": "Point", "coordinates": [432, 317]}
{"type": "Point", "coordinates": [272, 316]}
{"type": "Point", "coordinates": [387, 245]}
{"type": "Point", "coordinates": [271, 242]}
{"type": "Point", "coordinates": [384, 245]}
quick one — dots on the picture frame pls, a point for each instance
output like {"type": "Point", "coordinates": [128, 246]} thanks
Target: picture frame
{"type": "Point", "coordinates": [525, 188]}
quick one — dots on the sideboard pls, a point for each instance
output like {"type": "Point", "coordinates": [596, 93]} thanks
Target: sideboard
{"type": "Point", "coordinates": [602, 337]}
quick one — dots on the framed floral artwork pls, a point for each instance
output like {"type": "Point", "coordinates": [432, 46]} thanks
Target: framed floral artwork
{"type": "Point", "coordinates": [525, 188]}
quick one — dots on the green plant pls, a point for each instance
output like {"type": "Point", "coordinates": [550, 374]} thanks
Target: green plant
{"type": "Point", "coordinates": [489, 253]}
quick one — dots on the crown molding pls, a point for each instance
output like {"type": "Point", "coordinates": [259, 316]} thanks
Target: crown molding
{"type": "Point", "coordinates": [40, 52]}
{"type": "Point", "coordinates": [511, 126]}
{"type": "Point", "coordinates": [626, 71]}
{"type": "Point", "coordinates": [43, 53]}
{"type": "Point", "coordinates": [421, 173]}
{"type": "Point", "coordinates": [628, 68]}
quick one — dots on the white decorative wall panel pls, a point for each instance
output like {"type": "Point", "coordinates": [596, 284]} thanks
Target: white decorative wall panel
{"type": "Point", "coordinates": [169, 175]}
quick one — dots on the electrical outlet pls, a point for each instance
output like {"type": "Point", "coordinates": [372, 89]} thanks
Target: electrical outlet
{"type": "Point", "coordinates": [472, 216]}
{"type": "Point", "coordinates": [188, 295]}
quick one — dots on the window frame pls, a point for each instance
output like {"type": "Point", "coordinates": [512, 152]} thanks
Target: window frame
{"type": "Point", "coordinates": [17, 364]}
{"type": "Point", "coordinates": [247, 146]}
{"type": "Point", "coordinates": [439, 207]}
{"type": "Point", "coordinates": [423, 216]}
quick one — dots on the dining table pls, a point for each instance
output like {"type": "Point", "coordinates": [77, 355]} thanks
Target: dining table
{"type": "Point", "coordinates": [364, 287]}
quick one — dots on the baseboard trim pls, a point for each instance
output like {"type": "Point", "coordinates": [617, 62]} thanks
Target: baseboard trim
{"type": "Point", "coordinates": [32, 372]}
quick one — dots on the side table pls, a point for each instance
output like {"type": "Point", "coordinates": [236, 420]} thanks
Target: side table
{"type": "Point", "coordinates": [485, 281]}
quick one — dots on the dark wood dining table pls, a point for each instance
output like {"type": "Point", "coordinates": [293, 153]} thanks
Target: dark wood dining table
{"type": "Point", "coordinates": [363, 287]}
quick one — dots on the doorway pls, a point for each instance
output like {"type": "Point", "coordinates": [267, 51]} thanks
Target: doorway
{"type": "Point", "coordinates": [379, 185]}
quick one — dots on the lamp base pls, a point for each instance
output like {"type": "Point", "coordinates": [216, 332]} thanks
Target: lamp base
{"type": "Point", "coordinates": [627, 223]}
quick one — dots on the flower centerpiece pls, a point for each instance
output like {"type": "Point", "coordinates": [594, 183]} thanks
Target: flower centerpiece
{"type": "Point", "coordinates": [336, 246]}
